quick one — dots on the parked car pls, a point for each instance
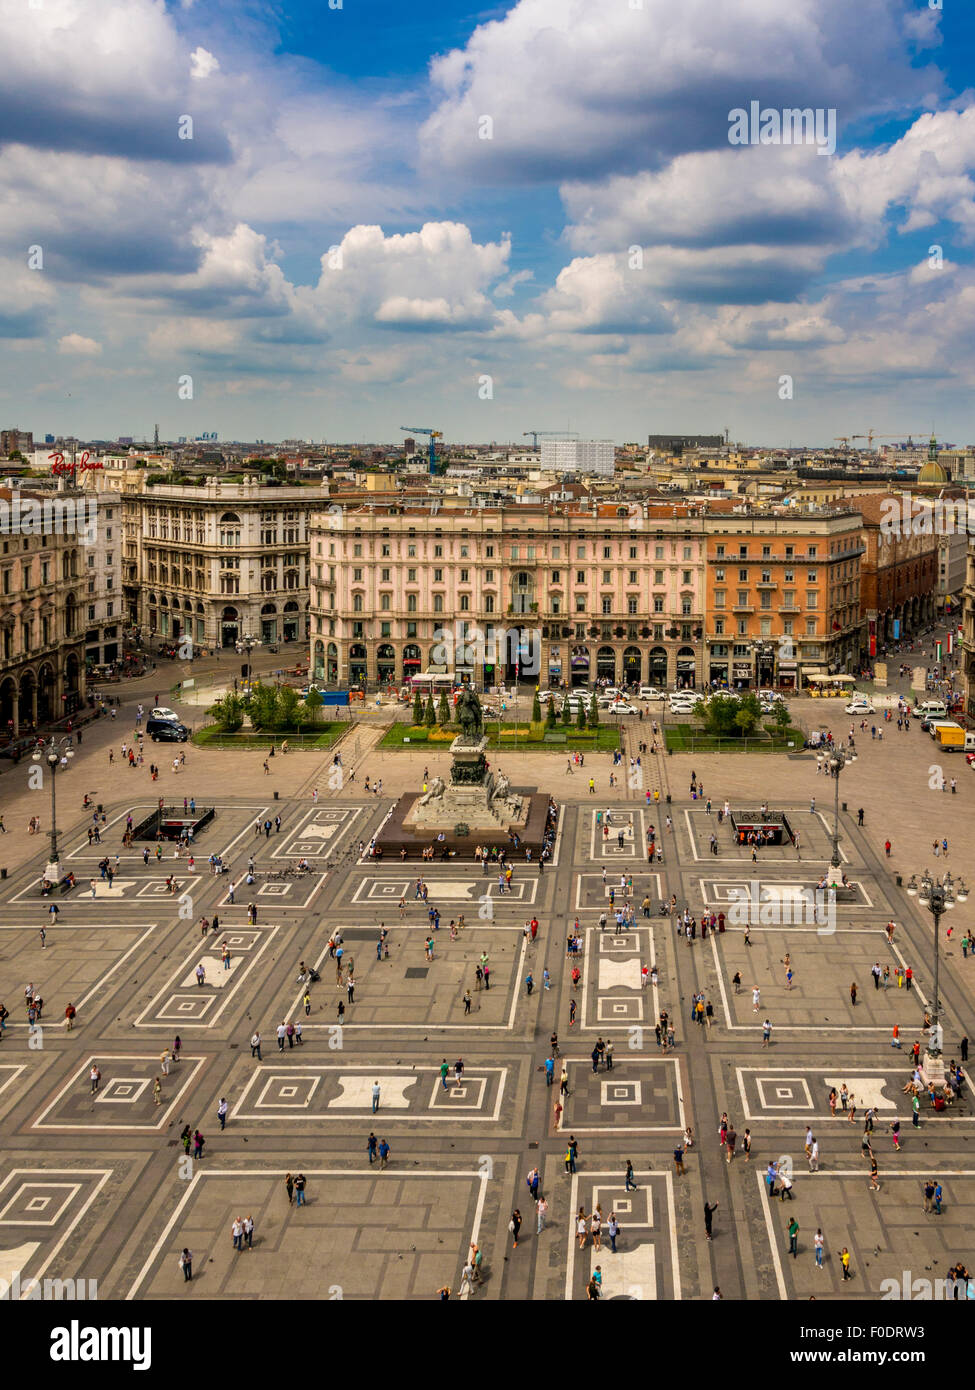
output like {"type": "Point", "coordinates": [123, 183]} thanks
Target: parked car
{"type": "Point", "coordinates": [161, 712]}
{"type": "Point", "coordinates": [650, 692]}
{"type": "Point", "coordinates": [161, 732]}
{"type": "Point", "coordinates": [860, 707]}
{"type": "Point", "coordinates": [621, 707]}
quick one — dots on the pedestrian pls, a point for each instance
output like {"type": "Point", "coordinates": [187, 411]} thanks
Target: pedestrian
{"type": "Point", "coordinates": [679, 1159]}
{"type": "Point", "coordinates": [375, 1096]}
{"type": "Point", "coordinates": [541, 1211]}
{"type": "Point", "coordinates": [256, 1045]}
{"type": "Point", "coordinates": [300, 1189]}
{"type": "Point", "coordinates": [514, 1226]}
{"type": "Point", "coordinates": [845, 1262]}
{"type": "Point", "coordinates": [372, 1145]}
{"type": "Point", "coordinates": [766, 1033]}
{"type": "Point", "coordinates": [794, 1238]}
{"type": "Point", "coordinates": [186, 1264]}
{"type": "Point", "coordinates": [709, 1209]}
{"type": "Point", "coordinates": [818, 1244]}
{"type": "Point", "coordinates": [383, 1153]}
{"type": "Point", "coordinates": [853, 993]}
{"type": "Point", "coordinates": [222, 1112]}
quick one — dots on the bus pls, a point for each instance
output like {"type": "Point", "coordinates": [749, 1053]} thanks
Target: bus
{"type": "Point", "coordinates": [823, 687]}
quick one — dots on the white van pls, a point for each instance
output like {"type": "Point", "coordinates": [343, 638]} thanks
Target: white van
{"type": "Point", "coordinates": [930, 709]}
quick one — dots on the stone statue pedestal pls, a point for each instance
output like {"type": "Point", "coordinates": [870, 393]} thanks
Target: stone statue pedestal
{"type": "Point", "coordinates": [473, 797]}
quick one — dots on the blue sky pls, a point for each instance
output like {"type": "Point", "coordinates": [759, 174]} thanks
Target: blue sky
{"type": "Point", "coordinates": [485, 220]}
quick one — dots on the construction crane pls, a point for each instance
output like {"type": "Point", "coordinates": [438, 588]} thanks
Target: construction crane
{"type": "Point", "coordinates": [434, 436]}
{"type": "Point", "coordinates": [548, 434]}
{"type": "Point", "coordinates": [843, 439]}
{"type": "Point", "coordinates": [871, 435]}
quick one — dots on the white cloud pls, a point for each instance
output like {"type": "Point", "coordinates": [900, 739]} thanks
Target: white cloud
{"type": "Point", "coordinates": [575, 87]}
{"type": "Point", "coordinates": [75, 345]}
{"type": "Point", "coordinates": [203, 63]}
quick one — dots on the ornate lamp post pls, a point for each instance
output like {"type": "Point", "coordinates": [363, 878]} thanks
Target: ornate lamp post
{"type": "Point", "coordinates": [51, 754]}
{"type": "Point", "coordinates": [838, 760]}
{"type": "Point", "coordinates": [938, 896]}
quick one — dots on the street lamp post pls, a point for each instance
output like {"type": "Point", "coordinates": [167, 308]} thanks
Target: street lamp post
{"type": "Point", "coordinates": [939, 897]}
{"type": "Point", "coordinates": [51, 753]}
{"type": "Point", "coordinates": [838, 760]}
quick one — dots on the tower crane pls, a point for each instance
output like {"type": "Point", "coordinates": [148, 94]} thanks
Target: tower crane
{"type": "Point", "coordinates": [549, 434]}
{"type": "Point", "coordinates": [434, 436]}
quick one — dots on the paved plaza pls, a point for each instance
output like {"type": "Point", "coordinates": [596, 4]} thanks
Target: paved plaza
{"type": "Point", "coordinates": [95, 1183]}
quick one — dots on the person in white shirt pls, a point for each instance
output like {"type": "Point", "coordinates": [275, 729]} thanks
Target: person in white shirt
{"type": "Point", "coordinates": [814, 1157]}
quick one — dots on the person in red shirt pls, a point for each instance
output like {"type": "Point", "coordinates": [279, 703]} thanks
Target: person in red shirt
{"type": "Point", "coordinates": [908, 976]}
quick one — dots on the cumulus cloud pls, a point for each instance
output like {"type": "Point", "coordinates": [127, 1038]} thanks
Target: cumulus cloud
{"type": "Point", "coordinates": [75, 345]}
{"type": "Point", "coordinates": [203, 63]}
{"type": "Point", "coordinates": [577, 88]}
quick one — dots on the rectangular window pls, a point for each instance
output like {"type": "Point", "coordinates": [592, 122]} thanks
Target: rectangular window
{"type": "Point", "coordinates": [411, 552]}
{"type": "Point", "coordinates": [384, 576]}
{"type": "Point", "coordinates": [812, 598]}
{"type": "Point", "coordinates": [742, 628]}
{"type": "Point", "coordinates": [658, 604]}
{"type": "Point", "coordinates": [632, 579]}
{"type": "Point", "coordinates": [719, 627]}
{"type": "Point", "coordinates": [514, 552]}
{"type": "Point", "coordinates": [658, 552]}
{"type": "Point", "coordinates": [386, 552]}
{"type": "Point", "coordinates": [580, 604]}
{"type": "Point", "coordinates": [489, 552]}
{"type": "Point", "coordinates": [687, 552]}
{"type": "Point", "coordinates": [556, 576]}
{"type": "Point", "coordinates": [465, 576]}
{"type": "Point", "coordinates": [580, 552]}
{"type": "Point", "coordinates": [719, 598]}
{"type": "Point", "coordinates": [438, 576]}
{"type": "Point", "coordinates": [357, 551]}
{"type": "Point", "coordinates": [580, 576]}
{"type": "Point", "coordinates": [607, 577]}
{"type": "Point", "coordinates": [658, 576]}
{"type": "Point", "coordinates": [719, 552]}
{"type": "Point", "coordinates": [411, 576]}
{"type": "Point", "coordinates": [438, 552]}
{"type": "Point", "coordinates": [607, 552]}
{"type": "Point", "coordinates": [631, 607]}
{"type": "Point", "coordinates": [607, 607]}
{"type": "Point", "coordinates": [685, 576]}
{"type": "Point", "coordinates": [632, 552]}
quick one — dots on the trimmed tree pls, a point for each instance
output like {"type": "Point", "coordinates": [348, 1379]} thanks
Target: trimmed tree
{"type": "Point", "coordinates": [581, 717]}
{"type": "Point", "coordinates": [313, 704]}
{"type": "Point", "coordinates": [430, 715]}
{"type": "Point", "coordinates": [593, 712]}
{"type": "Point", "coordinates": [550, 719]}
{"type": "Point", "coordinates": [443, 710]}
{"type": "Point", "coordinates": [537, 709]}
{"type": "Point", "coordinates": [566, 712]}
{"type": "Point", "coordinates": [229, 713]}
{"type": "Point", "coordinates": [418, 709]}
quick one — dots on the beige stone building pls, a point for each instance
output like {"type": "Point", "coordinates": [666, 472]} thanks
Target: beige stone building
{"type": "Point", "coordinates": [42, 617]}
{"type": "Point", "coordinates": [556, 593]}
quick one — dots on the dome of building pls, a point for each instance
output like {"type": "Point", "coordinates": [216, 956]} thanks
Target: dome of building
{"type": "Point", "coordinates": [933, 472]}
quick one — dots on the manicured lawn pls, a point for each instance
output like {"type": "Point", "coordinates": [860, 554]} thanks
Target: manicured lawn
{"type": "Point", "coordinates": [324, 736]}
{"type": "Point", "coordinates": [604, 739]}
{"type": "Point", "coordinates": [691, 738]}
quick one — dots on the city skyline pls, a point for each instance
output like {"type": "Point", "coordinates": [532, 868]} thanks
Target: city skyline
{"type": "Point", "coordinates": [519, 218]}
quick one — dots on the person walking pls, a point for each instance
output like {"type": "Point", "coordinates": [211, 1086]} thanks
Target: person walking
{"type": "Point", "coordinates": [541, 1211]}
{"type": "Point", "coordinates": [818, 1246]}
{"type": "Point", "coordinates": [630, 1183]}
{"type": "Point", "coordinates": [300, 1189]}
{"type": "Point", "coordinates": [845, 1262]}
{"type": "Point", "coordinates": [383, 1153]}
{"type": "Point", "coordinates": [222, 1112]}
{"type": "Point", "coordinates": [186, 1264]}
{"type": "Point", "coordinates": [794, 1238]}
{"type": "Point", "coordinates": [256, 1045]}
{"type": "Point", "coordinates": [709, 1209]}
{"type": "Point", "coordinates": [514, 1226]}
{"type": "Point", "coordinates": [375, 1095]}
